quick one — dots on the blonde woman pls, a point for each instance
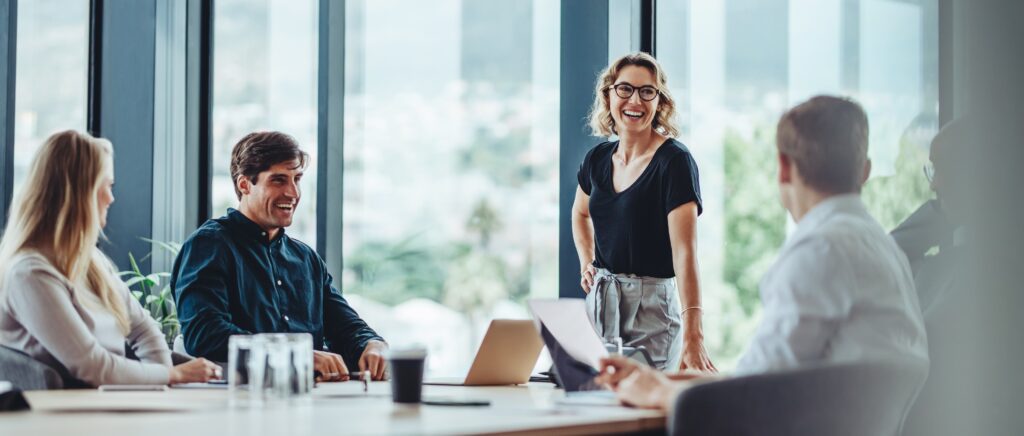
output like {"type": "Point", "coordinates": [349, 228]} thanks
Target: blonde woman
{"type": "Point", "coordinates": [60, 299]}
{"type": "Point", "coordinates": [634, 219]}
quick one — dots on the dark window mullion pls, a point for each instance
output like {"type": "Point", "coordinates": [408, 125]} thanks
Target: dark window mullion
{"type": "Point", "coordinates": [648, 26]}
{"type": "Point", "coordinates": [95, 88]}
{"type": "Point", "coordinates": [8, 71]}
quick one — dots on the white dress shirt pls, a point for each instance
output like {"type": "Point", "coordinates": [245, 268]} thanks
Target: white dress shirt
{"type": "Point", "coordinates": [840, 291]}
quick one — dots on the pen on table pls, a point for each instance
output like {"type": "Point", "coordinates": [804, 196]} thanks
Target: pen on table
{"type": "Point", "coordinates": [363, 376]}
{"type": "Point", "coordinates": [359, 375]}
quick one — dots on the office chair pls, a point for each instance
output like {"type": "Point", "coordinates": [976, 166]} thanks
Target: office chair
{"type": "Point", "coordinates": [26, 373]}
{"type": "Point", "coordinates": [843, 399]}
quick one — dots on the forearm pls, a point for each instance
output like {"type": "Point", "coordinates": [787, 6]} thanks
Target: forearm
{"type": "Point", "coordinates": [344, 330]}
{"type": "Point", "coordinates": [350, 343]}
{"type": "Point", "coordinates": [583, 237]}
{"type": "Point", "coordinates": [207, 335]}
{"type": "Point", "coordinates": [688, 286]}
{"type": "Point", "coordinates": [667, 393]}
{"type": "Point", "coordinates": [145, 337]}
{"type": "Point", "coordinates": [149, 343]}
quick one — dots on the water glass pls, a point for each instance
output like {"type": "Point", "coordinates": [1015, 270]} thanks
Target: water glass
{"type": "Point", "coordinates": [302, 362]}
{"type": "Point", "coordinates": [289, 366]}
{"type": "Point", "coordinates": [246, 364]}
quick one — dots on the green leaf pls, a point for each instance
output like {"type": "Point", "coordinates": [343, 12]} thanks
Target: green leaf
{"type": "Point", "coordinates": [134, 280]}
{"type": "Point", "coordinates": [135, 265]}
{"type": "Point", "coordinates": [173, 248]}
{"type": "Point", "coordinates": [151, 298]}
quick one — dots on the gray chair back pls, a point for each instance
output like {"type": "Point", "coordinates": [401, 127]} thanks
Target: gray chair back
{"type": "Point", "coordinates": [26, 373]}
{"type": "Point", "coordinates": [848, 399]}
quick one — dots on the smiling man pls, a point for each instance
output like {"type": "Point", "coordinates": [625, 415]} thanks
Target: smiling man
{"type": "Point", "coordinates": [241, 274]}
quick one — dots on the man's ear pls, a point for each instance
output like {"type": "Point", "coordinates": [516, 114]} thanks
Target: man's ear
{"type": "Point", "coordinates": [243, 184]}
{"type": "Point", "coordinates": [785, 169]}
{"type": "Point", "coordinates": [867, 172]}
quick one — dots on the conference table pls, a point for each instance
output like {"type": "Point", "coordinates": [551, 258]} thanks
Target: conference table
{"type": "Point", "coordinates": [333, 408]}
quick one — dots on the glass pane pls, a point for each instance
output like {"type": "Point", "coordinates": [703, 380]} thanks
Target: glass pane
{"type": "Point", "coordinates": [451, 167]}
{"type": "Point", "coordinates": [265, 78]}
{"type": "Point", "coordinates": [51, 90]}
{"type": "Point", "coordinates": [735, 67]}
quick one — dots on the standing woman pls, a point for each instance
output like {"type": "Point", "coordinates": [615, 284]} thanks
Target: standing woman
{"type": "Point", "coordinates": [61, 301]}
{"type": "Point", "coordinates": [634, 219]}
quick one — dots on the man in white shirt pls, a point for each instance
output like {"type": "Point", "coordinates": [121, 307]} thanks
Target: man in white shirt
{"type": "Point", "coordinates": [841, 290]}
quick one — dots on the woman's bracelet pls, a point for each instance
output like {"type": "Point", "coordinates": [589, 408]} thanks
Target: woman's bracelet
{"type": "Point", "coordinates": [688, 308]}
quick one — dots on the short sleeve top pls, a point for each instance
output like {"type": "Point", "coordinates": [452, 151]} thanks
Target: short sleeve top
{"type": "Point", "coordinates": [631, 227]}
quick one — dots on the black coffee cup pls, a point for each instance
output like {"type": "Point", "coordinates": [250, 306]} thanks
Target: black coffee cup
{"type": "Point", "coordinates": [407, 374]}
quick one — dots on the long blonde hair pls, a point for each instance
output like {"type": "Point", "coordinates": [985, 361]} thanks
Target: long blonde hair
{"type": "Point", "coordinates": [601, 121]}
{"type": "Point", "coordinates": [56, 212]}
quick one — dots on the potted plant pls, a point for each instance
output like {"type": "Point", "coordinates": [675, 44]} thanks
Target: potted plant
{"type": "Point", "coordinates": [154, 292]}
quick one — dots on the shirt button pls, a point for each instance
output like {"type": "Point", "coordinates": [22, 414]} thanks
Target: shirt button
{"type": "Point", "coordinates": [279, 283]}
{"type": "Point", "coordinates": [286, 317]}
{"type": "Point", "coordinates": [263, 233]}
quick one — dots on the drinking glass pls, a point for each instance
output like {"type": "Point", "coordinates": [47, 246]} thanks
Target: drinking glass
{"type": "Point", "coordinates": [246, 368]}
{"type": "Point", "coordinates": [289, 366]}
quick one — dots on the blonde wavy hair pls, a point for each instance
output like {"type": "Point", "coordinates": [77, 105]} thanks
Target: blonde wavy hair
{"type": "Point", "coordinates": [56, 213]}
{"type": "Point", "coordinates": [601, 121]}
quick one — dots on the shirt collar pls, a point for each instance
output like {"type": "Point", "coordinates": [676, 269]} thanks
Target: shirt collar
{"type": "Point", "coordinates": [820, 212]}
{"type": "Point", "coordinates": [249, 228]}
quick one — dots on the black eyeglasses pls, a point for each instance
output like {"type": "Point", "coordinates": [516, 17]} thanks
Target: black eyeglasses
{"type": "Point", "coordinates": [625, 90]}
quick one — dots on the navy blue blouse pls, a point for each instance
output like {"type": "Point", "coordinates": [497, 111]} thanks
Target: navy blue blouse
{"type": "Point", "coordinates": [229, 279]}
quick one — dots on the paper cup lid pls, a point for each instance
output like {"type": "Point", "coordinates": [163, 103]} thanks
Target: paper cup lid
{"type": "Point", "coordinates": [408, 353]}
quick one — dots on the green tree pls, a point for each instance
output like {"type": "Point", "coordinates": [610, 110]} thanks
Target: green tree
{"type": "Point", "coordinates": [891, 199]}
{"type": "Point", "coordinates": [484, 221]}
{"type": "Point", "coordinates": [391, 273]}
{"type": "Point", "coordinates": [755, 223]}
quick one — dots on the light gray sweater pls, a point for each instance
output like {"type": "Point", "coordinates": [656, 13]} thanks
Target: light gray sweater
{"type": "Point", "coordinates": [66, 326]}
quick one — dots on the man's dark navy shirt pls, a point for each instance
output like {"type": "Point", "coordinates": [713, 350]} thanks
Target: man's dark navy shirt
{"type": "Point", "coordinates": [229, 279]}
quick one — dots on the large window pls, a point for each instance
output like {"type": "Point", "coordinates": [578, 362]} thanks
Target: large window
{"type": "Point", "coordinates": [735, 66]}
{"type": "Point", "coordinates": [451, 167]}
{"type": "Point", "coordinates": [265, 78]}
{"type": "Point", "coordinates": [52, 76]}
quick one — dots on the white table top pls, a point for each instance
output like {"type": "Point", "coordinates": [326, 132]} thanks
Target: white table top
{"type": "Point", "coordinates": [335, 408]}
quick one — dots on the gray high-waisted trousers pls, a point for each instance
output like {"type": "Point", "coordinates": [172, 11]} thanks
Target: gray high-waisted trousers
{"type": "Point", "coordinates": [642, 311]}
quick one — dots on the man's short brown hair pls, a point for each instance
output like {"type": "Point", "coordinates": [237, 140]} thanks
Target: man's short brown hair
{"type": "Point", "coordinates": [258, 151]}
{"type": "Point", "coordinates": [827, 138]}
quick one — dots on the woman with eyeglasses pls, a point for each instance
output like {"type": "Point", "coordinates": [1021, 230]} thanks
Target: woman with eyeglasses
{"type": "Point", "coordinates": [61, 301]}
{"type": "Point", "coordinates": [634, 220]}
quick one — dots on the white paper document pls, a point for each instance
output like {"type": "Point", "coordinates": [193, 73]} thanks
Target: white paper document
{"type": "Point", "coordinates": [566, 319]}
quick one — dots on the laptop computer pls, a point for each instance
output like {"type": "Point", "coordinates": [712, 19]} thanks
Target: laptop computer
{"type": "Point", "coordinates": [506, 356]}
